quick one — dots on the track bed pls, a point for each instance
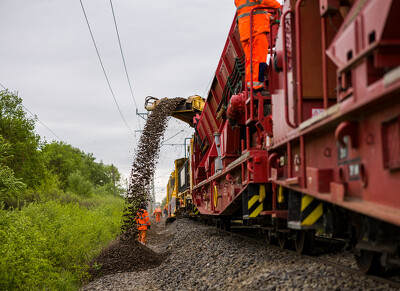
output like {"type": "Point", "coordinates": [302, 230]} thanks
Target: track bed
{"type": "Point", "coordinates": [206, 258]}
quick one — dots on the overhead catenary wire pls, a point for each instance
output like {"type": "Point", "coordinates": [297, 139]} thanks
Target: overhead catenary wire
{"type": "Point", "coordinates": [102, 66]}
{"type": "Point", "coordinates": [123, 60]}
{"type": "Point", "coordinates": [172, 136]}
{"type": "Point", "coordinates": [208, 87]}
{"type": "Point", "coordinates": [42, 123]}
{"type": "Point", "coordinates": [34, 115]}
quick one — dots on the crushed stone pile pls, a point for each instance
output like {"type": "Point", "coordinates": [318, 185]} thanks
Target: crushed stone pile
{"type": "Point", "coordinates": [124, 254]}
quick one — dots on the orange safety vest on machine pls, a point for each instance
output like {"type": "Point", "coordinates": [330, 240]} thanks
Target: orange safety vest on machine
{"type": "Point", "coordinates": [260, 39]}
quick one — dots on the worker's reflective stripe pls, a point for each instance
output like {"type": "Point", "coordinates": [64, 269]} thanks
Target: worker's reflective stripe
{"type": "Point", "coordinates": [145, 216]}
{"type": "Point", "coordinates": [254, 13]}
{"type": "Point", "coordinates": [256, 84]}
{"type": "Point", "coordinates": [248, 4]}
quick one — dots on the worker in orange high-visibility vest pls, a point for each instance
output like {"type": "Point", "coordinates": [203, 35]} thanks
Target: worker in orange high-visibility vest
{"type": "Point", "coordinates": [157, 213]}
{"type": "Point", "coordinates": [260, 38]}
{"type": "Point", "coordinates": [166, 210]}
{"type": "Point", "coordinates": [142, 223]}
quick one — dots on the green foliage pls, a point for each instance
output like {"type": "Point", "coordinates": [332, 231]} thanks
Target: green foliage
{"type": "Point", "coordinates": [163, 202]}
{"type": "Point", "coordinates": [47, 245]}
{"type": "Point", "coordinates": [11, 188]}
{"type": "Point", "coordinates": [18, 130]}
{"type": "Point", "coordinates": [63, 160]}
{"type": "Point", "coordinates": [80, 185]}
{"type": "Point", "coordinates": [108, 189]}
{"type": "Point", "coordinates": [63, 209]}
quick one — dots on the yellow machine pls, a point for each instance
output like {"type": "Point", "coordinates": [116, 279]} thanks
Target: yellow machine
{"type": "Point", "coordinates": [179, 198]}
{"type": "Point", "coordinates": [174, 197]}
{"type": "Point", "coordinates": [185, 111]}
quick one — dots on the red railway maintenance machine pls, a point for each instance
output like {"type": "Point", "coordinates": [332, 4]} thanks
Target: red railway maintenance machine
{"type": "Point", "coordinates": [320, 150]}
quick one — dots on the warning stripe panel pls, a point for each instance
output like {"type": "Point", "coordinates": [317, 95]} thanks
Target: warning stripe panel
{"type": "Point", "coordinates": [257, 211]}
{"type": "Point", "coordinates": [311, 210]}
{"type": "Point", "coordinates": [255, 206]}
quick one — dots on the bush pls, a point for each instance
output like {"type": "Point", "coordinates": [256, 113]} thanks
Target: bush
{"type": "Point", "coordinates": [46, 245]}
{"type": "Point", "coordinates": [79, 185]}
{"type": "Point", "coordinates": [11, 188]}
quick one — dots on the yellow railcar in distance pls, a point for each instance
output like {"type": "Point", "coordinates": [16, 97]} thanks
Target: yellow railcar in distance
{"type": "Point", "coordinates": [179, 198]}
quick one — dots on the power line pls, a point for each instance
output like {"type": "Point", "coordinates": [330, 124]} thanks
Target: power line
{"type": "Point", "coordinates": [34, 115]}
{"type": "Point", "coordinates": [42, 123]}
{"type": "Point", "coordinates": [122, 55]}
{"type": "Point", "coordinates": [209, 83]}
{"type": "Point", "coordinates": [172, 136]}
{"type": "Point", "coordinates": [102, 66]}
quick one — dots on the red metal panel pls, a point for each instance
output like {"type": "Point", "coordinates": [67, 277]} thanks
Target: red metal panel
{"type": "Point", "coordinates": [230, 141]}
{"type": "Point", "coordinates": [216, 90]}
{"type": "Point", "coordinates": [391, 143]}
{"type": "Point", "coordinates": [205, 126]}
{"type": "Point", "coordinates": [212, 102]}
{"type": "Point", "coordinates": [362, 30]}
{"type": "Point", "coordinates": [319, 180]}
{"type": "Point", "coordinates": [201, 132]}
{"type": "Point", "coordinates": [222, 73]}
{"type": "Point", "coordinates": [210, 117]}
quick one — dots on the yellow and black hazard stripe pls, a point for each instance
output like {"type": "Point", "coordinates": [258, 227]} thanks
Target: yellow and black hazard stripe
{"type": "Point", "coordinates": [253, 200]}
{"type": "Point", "coordinates": [195, 211]}
{"type": "Point", "coordinates": [311, 211]}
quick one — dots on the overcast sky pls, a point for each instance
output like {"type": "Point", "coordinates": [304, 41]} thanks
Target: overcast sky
{"type": "Point", "coordinates": [171, 48]}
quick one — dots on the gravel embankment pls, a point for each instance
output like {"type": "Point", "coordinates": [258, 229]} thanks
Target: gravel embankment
{"type": "Point", "coordinates": [204, 258]}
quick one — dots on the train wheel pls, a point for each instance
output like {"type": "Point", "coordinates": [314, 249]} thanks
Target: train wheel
{"type": "Point", "coordinates": [304, 242]}
{"type": "Point", "coordinates": [369, 262]}
{"type": "Point", "coordinates": [270, 238]}
{"type": "Point", "coordinates": [226, 224]}
{"type": "Point", "coordinates": [283, 240]}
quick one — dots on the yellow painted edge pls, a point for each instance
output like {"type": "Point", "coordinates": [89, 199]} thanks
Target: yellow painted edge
{"type": "Point", "coordinates": [314, 216]}
{"type": "Point", "coordinates": [262, 193]}
{"type": "Point", "coordinates": [281, 198]}
{"type": "Point", "coordinates": [252, 201]}
{"type": "Point", "coordinates": [305, 201]}
{"type": "Point", "coordinates": [257, 211]}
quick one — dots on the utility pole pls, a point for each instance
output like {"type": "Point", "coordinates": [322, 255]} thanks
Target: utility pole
{"type": "Point", "coordinates": [115, 190]}
{"type": "Point", "coordinates": [154, 195]}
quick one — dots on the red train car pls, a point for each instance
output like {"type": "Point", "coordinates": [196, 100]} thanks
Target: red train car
{"type": "Point", "coordinates": [322, 149]}
{"type": "Point", "coordinates": [319, 148]}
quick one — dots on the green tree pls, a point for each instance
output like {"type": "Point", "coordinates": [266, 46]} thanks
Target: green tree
{"type": "Point", "coordinates": [80, 185]}
{"type": "Point", "coordinates": [11, 187]}
{"type": "Point", "coordinates": [163, 202]}
{"type": "Point", "coordinates": [18, 131]}
{"type": "Point", "coordinates": [63, 160]}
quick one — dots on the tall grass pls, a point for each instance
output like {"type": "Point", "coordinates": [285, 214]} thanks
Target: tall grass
{"type": "Point", "coordinates": [46, 245]}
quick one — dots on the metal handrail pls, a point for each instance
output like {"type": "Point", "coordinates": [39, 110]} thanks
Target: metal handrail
{"type": "Point", "coordinates": [299, 82]}
{"type": "Point", "coordinates": [285, 81]}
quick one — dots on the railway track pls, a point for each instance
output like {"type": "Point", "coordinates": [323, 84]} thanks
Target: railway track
{"type": "Point", "coordinates": [256, 234]}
